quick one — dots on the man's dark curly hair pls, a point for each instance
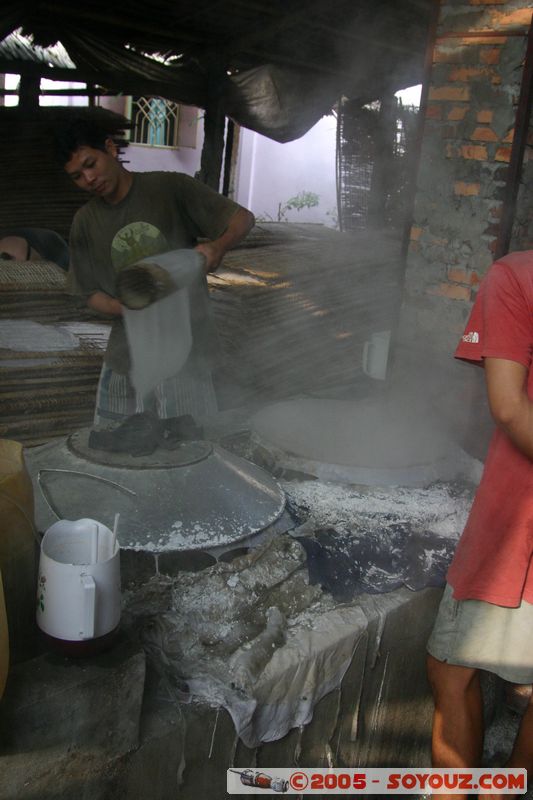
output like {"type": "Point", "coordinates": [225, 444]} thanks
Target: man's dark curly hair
{"type": "Point", "coordinates": [91, 129]}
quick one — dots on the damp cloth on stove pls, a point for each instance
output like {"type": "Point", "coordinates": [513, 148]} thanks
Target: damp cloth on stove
{"type": "Point", "coordinates": [159, 336]}
{"type": "Point", "coordinates": [348, 564]}
{"type": "Point", "coordinates": [311, 663]}
{"type": "Point", "coordinates": [250, 636]}
{"type": "Point", "coordinates": [141, 434]}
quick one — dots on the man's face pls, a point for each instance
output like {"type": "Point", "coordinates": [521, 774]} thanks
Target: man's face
{"type": "Point", "coordinates": [97, 171]}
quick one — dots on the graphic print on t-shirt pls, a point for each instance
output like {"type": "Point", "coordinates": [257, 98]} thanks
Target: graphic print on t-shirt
{"type": "Point", "coordinates": [135, 241]}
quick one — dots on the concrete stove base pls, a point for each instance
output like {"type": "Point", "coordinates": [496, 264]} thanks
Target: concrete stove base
{"type": "Point", "coordinates": [379, 716]}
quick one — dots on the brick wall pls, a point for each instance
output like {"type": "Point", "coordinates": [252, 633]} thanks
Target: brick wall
{"type": "Point", "coordinates": [468, 132]}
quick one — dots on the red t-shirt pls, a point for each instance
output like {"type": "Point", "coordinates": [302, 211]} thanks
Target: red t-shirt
{"type": "Point", "coordinates": [493, 558]}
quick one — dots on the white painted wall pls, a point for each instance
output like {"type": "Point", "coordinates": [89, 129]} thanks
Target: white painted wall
{"type": "Point", "coordinates": [270, 173]}
{"type": "Point", "coordinates": [142, 158]}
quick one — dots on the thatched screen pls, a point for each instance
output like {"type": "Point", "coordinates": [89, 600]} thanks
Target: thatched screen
{"type": "Point", "coordinates": [375, 150]}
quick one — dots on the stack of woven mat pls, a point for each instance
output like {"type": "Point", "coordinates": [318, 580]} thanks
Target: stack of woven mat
{"type": "Point", "coordinates": [51, 352]}
{"type": "Point", "coordinates": [293, 315]}
{"type": "Point", "coordinates": [293, 306]}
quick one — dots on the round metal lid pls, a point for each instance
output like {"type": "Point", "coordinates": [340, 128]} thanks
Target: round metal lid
{"type": "Point", "coordinates": [214, 501]}
{"type": "Point", "coordinates": [374, 443]}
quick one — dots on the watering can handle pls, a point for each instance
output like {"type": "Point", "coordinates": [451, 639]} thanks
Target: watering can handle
{"type": "Point", "coordinates": [89, 606]}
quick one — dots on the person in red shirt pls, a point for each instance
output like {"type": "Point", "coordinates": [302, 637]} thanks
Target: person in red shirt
{"type": "Point", "coordinates": [485, 621]}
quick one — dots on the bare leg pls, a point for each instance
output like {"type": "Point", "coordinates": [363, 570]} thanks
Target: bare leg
{"type": "Point", "coordinates": [522, 753]}
{"type": "Point", "coordinates": [457, 739]}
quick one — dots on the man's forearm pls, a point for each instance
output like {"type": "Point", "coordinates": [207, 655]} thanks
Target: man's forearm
{"type": "Point", "coordinates": [104, 304]}
{"type": "Point", "coordinates": [239, 225]}
{"type": "Point", "coordinates": [509, 403]}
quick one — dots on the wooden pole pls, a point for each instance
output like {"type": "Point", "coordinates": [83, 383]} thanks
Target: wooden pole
{"type": "Point", "coordinates": [29, 91]}
{"type": "Point", "coordinates": [214, 129]}
{"type": "Point", "coordinates": [383, 169]}
{"type": "Point", "coordinates": [523, 114]}
{"type": "Point", "coordinates": [228, 158]}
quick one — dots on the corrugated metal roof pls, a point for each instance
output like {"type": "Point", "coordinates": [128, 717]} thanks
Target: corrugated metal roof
{"type": "Point", "coordinates": [17, 47]}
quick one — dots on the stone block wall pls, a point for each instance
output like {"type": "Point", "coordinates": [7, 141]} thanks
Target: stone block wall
{"type": "Point", "coordinates": [474, 85]}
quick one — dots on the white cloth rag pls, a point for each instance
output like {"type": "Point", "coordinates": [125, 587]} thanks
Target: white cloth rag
{"type": "Point", "coordinates": [310, 665]}
{"type": "Point", "coordinates": [159, 336]}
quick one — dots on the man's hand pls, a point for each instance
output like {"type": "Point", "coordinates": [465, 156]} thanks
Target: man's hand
{"type": "Point", "coordinates": [509, 403]}
{"type": "Point", "coordinates": [213, 255]}
{"type": "Point", "coordinates": [239, 225]}
{"type": "Point", "coordinates": [105, 304]}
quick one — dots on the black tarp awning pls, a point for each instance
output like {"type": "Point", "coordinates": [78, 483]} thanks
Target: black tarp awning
{"type": "Point", "coordinates": [277, 67]}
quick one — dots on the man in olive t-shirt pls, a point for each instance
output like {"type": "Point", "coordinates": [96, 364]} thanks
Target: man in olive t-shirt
{"type": "Point", "coordinates": [129, 217]}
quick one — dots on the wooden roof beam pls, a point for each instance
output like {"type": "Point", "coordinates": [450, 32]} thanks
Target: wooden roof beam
{"type": "Point", "coordinates": [120, 82]}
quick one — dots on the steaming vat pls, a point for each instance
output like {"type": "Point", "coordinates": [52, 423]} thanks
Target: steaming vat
{"type": "Point", "coordinates": [374, 443]}
{"type": "Point", "coordinates": [197, 497]}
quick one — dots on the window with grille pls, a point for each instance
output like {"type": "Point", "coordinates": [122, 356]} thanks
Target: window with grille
{"type": "Point", "coordinates": [158, 123]}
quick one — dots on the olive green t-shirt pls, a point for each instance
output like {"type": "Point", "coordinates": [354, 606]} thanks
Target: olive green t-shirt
{"type": "Point", "coordinates": [162, 211]}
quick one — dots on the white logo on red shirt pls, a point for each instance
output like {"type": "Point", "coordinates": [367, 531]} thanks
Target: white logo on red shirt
{"type": "Point", "coordinates": [472, 337]}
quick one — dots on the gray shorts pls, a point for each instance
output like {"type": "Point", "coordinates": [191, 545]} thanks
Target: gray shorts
{"type": "Point", "coordinates": [474, 633]}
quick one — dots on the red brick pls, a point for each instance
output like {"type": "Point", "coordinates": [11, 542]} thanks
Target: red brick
{"type": "Point", "coordinates": [452, 291]}
{"type": "Point", "coordinates": [503, 154]}
{"type": "Point", "coordinates": [447, 54]}
{"type": "Point", "coordinates": [483, 134]}
{"type": "Point", "coordinates": [457, 113]}
{"type": "Point", "coordinates": [463, 189]}
{"type": "Point", "coordinates": [457, 275]}
{"type": "Point", "coordinates": [477, 152]}
{"type": "Point", "coordinates": [464, 74]}
{"type": "Point", "coordinates": [492, 40]}
{"type": "Point", "coordinates": [416, 233]}
{"type": "Point", "coordinates": [510, 136]}
{"type": "Point", "coordinates": [490, 55]}
{"type": "Point", "coordinates": [485, 116]}
{"type": "Point", "coordinates": [452, 93]}
{"type": "Point", "coordinates": [511, 19]}
{"type": "Point", "coordinates": [434, 112]}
